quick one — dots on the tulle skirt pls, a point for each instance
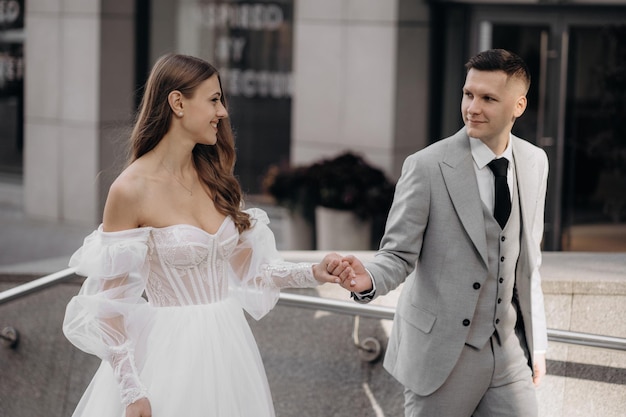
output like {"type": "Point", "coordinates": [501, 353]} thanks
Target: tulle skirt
{"type": "Point", "coordinates": [194, 361]}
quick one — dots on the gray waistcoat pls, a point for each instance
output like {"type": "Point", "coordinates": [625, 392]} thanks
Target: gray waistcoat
{"type": "Point", "coordinates": [495, 312]}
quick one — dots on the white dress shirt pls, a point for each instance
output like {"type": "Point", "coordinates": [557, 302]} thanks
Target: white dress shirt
{"type": "Point", "coordinates": [482, 155]}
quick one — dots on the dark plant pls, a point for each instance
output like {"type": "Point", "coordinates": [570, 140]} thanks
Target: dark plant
{"type": "Point", "coordinates": [346, 182]}
{"type": "Point", "coordinates": [292, 189]}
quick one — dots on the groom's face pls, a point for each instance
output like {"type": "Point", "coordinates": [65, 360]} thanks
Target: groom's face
{"type": "Point", "coordinates": [491, 102]}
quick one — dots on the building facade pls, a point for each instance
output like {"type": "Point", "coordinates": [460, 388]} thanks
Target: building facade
{"type": "Point", "coordinates": [308, 79]}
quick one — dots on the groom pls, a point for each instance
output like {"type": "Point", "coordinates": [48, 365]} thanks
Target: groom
{"type": "Point", "coordinates": [469, 334]}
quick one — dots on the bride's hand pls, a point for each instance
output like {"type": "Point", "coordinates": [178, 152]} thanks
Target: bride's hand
{"type": "Point", "coordinates": [140, 408]}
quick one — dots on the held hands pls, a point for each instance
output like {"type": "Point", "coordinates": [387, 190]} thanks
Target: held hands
{"type": "Point", "coordinates": [325, 270]}
{"type": "Point", "coordinates": [347, 271]}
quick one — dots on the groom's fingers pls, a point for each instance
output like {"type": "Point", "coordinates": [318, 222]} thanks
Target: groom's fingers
{"type": "Point", "coordinates": [331, 265]}
{"type": "Point", "coordinates": [345, 271]}
{"type": "Point", "coordinates": [336, 267]}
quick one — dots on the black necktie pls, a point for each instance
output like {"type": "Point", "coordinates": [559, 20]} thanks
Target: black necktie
{"type": "Point", "coordinates": [502, 208]}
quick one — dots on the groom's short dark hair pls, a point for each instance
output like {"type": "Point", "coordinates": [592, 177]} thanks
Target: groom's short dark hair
{"type": "Point", "coordinates": [500, 60]}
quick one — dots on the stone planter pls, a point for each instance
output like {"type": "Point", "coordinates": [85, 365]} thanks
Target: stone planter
{"type": "Point", "coordinates": [298, 233]}
{"type": "Point", "coordinates": [341, 230]}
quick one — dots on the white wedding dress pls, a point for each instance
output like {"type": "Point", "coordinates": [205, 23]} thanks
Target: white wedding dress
{"type": "Point", "coordinates": [188, 348]}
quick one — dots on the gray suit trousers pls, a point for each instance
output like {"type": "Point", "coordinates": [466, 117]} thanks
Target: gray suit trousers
{"type": "Point", "coordinates": [494, 381]}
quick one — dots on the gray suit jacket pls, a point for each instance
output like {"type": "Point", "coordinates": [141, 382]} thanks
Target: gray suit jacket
{"type": "Point", "coordinates": [436, 225]}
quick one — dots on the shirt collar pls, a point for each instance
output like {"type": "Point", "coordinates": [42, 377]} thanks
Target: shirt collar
{"type": "Point", "coordinates": [482, 155]}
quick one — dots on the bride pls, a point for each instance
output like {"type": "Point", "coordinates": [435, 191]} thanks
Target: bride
{"type": "Point", "coordinates": [173, 230]}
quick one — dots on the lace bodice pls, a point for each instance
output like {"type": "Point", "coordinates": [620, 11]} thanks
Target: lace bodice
{"type": "Point", "coordinates": [179, 265]}
{"type": "Point", "coordinates": [186, 264]}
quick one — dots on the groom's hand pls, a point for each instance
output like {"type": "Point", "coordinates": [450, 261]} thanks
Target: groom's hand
{"type": "Point", "coordinates": [359, 280]}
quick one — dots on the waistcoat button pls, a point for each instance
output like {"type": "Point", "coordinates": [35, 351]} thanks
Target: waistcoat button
{"type": "Point", "coordinates": [466, 322]}
{"type": "Point", "coordinates": [476, 285]}
{"type": "Point", "coordinates": [501, 280]}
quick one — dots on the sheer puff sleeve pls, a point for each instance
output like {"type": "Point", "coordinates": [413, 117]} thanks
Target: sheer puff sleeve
{"type": "Point", "coordinates": [99, 319]}
{"type": "Point", "coordinates": [258, 272]}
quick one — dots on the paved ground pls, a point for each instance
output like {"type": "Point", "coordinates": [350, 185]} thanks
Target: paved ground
{"type": "Point", "coordinates": [36, 246]}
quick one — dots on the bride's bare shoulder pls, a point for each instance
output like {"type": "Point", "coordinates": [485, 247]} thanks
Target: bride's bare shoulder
{"type": "Point", "coordinates": [123, 207]}
{"type": "Point", "coordinates": [129, 184]}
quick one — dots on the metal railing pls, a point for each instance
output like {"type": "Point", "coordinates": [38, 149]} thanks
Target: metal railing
{"type": "Point", "coordinates": [324, 304]}
{"type": "Point", "coordinates": [36, 285]}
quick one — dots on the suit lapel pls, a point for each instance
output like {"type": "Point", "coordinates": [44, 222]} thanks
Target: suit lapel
{"type": "Point", "coordinates": [458, 174]}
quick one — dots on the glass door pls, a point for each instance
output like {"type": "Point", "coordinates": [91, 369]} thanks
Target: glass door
{"type": "Point", "coordinates": [576, 113]}
{"type": "Point", "coordinates": [594, 206]}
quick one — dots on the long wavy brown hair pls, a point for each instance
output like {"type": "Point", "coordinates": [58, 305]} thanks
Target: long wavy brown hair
{"type": "Point", "coordinates": [215, 163]}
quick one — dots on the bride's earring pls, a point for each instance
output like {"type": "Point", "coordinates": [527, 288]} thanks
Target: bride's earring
{"type": "Point", "coordinates": [180, 114]}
